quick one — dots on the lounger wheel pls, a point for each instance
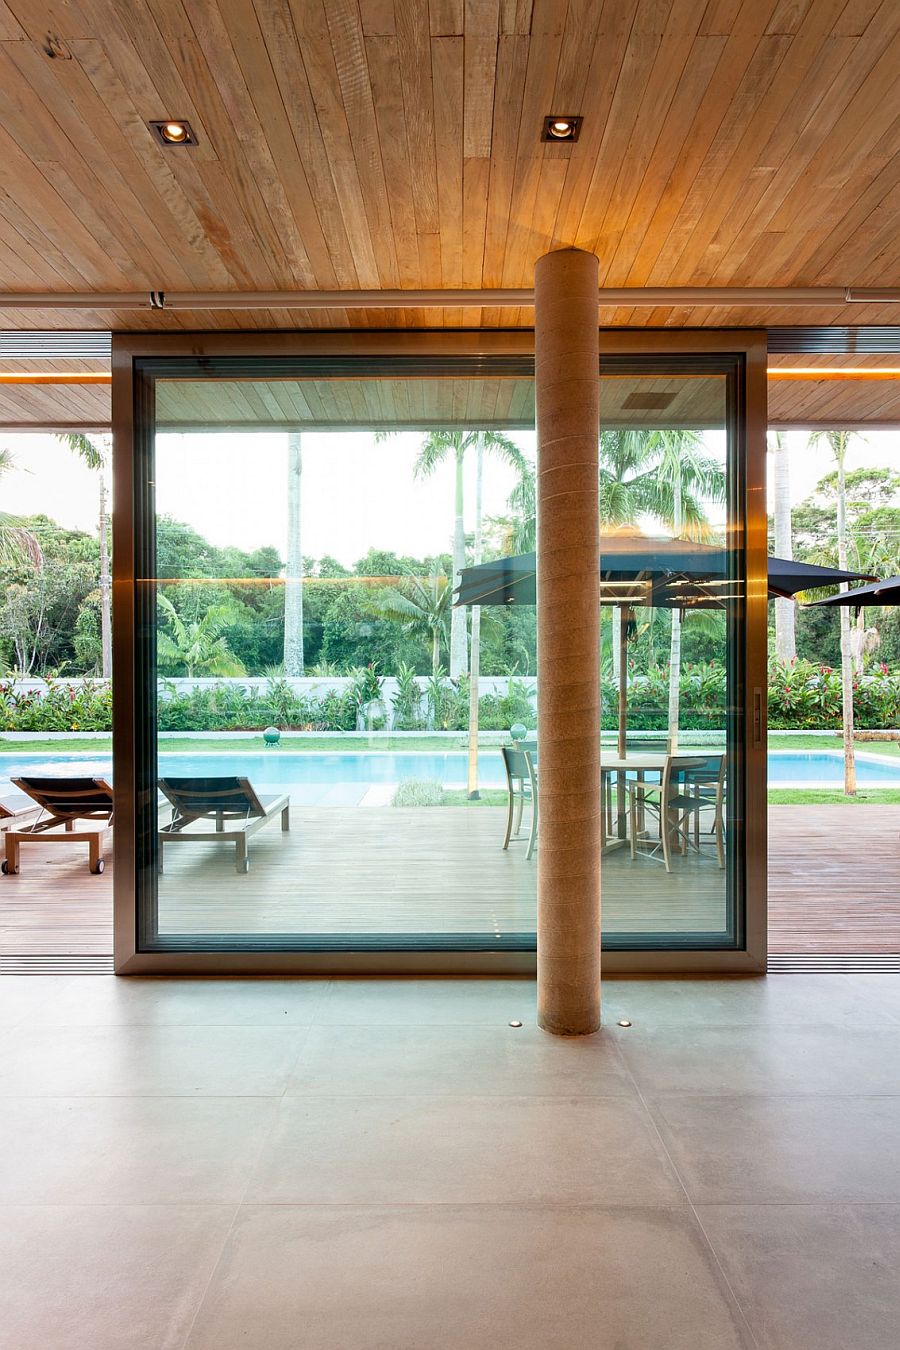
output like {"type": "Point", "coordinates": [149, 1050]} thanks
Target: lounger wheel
{"type": "Point", "coordinates": [98, 867]}
{"type": "Point", "coordinates": [6, 869]}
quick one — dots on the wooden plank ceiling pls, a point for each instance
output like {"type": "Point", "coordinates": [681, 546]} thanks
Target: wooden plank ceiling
{"type": "Point", "coordinates": [809, 401]}
{"type": "Point", "coordinates": [418, 403]}
{"type": "Point", "coordinates": [362, 144]}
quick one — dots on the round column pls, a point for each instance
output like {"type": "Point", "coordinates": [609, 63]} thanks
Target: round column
{"type": "Point", "coordinates": [567, 395]}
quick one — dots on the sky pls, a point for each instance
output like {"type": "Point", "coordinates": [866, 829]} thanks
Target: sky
{"type": "Point", "coordinates": [356, 493]}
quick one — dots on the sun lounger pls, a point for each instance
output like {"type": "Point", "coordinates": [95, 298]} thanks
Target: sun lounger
{"type": "Point", "coordinates": [61, 805]}
{"type": "Point", "coordinates": [226, 801]}
{"type": "Point", "coordinates": [16, 810]}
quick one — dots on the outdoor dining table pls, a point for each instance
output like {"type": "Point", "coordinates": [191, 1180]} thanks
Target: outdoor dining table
{"type": "Point", "coordinates": [613, 766]}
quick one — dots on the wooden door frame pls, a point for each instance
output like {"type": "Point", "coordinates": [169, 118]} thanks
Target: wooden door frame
{"type": "Point", "coordinates": [128, 421]}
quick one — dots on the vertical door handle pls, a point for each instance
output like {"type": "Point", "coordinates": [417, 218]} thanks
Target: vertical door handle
{"type": "Point", "coordinates": [757, 718]}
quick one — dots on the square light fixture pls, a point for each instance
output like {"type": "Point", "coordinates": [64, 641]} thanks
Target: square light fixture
{"type": "Point", "coordinates": [562, 127]}
{"type": "Point", "coordinates": [173, 131]}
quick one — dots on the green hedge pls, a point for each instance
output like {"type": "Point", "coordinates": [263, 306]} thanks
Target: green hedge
{"type": "Point", "coordinates": [807, 697]}
{"type": "Point", "coordinates": [802, 697]}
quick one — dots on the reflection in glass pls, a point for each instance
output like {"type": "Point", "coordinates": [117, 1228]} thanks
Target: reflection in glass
{"type": "Point", "coordinates": [338, 649]}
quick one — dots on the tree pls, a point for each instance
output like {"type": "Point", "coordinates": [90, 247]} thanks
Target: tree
{"type": "Point", "coordinates": [294, 655]}
{"type": "Point", "coordinates": [669, 476]}
{"type": "Point", "coordinates": [422, 606]}
{"type": "Point", "coordinates": [785, 610]}
{"type": "Point", "coordinates": [839, 443]}
{"type": "Point", "coordinates": [197, 647]}
{"type": "Point", "coordinates": [40, 604]}
{"type": "Point", "coordinates": [16, 542]}
{"type": "Point", "coordinates": [438, 447]}
{"type": "Point", "coordinates": [666, 475]}
{"type": "Point", "coordinates": [96, 457]}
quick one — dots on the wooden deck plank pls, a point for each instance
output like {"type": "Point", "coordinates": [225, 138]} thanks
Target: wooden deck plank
{"type": "Point", "coordinates": [834, 883]}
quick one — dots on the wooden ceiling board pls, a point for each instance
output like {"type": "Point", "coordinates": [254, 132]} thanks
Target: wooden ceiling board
{"type": "Point", "coordinates": [45, 404]}
{"type": "Point", "coordinates": [348, 144]}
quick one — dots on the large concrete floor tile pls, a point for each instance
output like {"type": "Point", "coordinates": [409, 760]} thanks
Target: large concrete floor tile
{"type": "Point", "coordinates": [773, 1000]}
{"type": "Point", "coordinates": [880, 992]}
{"type": "Point", "coordinates": [791, 1150]}
{"type": "Point", "coordinates": [428, 1002]}
{"type": "Point", "coordinates": [122, 1150]}
{"type": "Point", "coordinates": [523, 1061]}
{"type": "Point", "coordinates": [111, 1001]}
{"type": "Point", "coordinates": [419, 1150]}
{"type": "Point", "coordinates": [764, 1059]}
{"type": "Point", "coordinates": [147, 1061]}
{"type": "Point", "coordinates": [23, 997]}
{"type": "Point", "coordinates": [471, 1279]}
{"type": "Point", "coordinates": [105, 1277]}
{"type": "Point", "coordinates": [812, 1276]}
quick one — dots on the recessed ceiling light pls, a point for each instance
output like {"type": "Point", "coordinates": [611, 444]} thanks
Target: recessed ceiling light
{"type": "Point", "coordinates": [173, 131]}
{"type": "Point", "coordinates": [561, 128]}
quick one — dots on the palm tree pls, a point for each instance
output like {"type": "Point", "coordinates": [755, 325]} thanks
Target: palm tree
{"type": "Point", "coordinates": [839, 443]}
{"type": "Point", "coordinates": [438, 447]}
{"type": "Point", "coordinates": [16, 542]}
{"type": "Point", "coordinates": [785, 610]}
{"type": "Point", "coordinates": [294, 658]}
{"type": "Point", "coordinates": [686, 473]}
{"type": "Point", "coordinates": [668, 476]}
{"type": "Point", "coordinates": [197, 645]}
{"type": "Point", "coordinates": [96, 457]}
{"type": "Point", "coordinates": [422, 606]}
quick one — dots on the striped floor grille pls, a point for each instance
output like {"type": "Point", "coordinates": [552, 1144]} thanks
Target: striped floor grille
{"type": "Point", "coordinates": [56, 964]}
{"type": "Point", "coordinates": [779, 963]}
{"type": "Point", "coordinates": [834, 963]}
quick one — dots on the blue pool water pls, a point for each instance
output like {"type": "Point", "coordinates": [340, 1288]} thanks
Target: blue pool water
{"type": "Point", "coordinates": [344, 777]}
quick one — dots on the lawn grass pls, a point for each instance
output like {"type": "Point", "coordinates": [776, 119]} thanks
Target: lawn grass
{"type": "Point", "coordinates": [209, 745]}
{"type": "Point", "coordinates": [487, 797]}
{"type": "Point", "coordinates": [833, 797]}
{"type": "Point", "coordinates": [799, 741]}
{"type": "Point", "coordinates": [223, 743]}
{"type": "Point", "coordinates": [777, 797]}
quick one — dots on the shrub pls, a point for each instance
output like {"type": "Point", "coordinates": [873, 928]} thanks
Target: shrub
{"type": "Point", "coordinates": [498, 712]}
{"type": "Point", "coordinates": [804, 696]}
{"type": "Point", "coordinates": [418, 792]}
{"type": "Point", "coordinates": [64, 707]}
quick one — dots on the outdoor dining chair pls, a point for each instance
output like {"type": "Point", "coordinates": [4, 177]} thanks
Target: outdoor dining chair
{"type": "Point", "coordinates": [690, 784]}
{"type": "Point", "coordinates": [520, 764]}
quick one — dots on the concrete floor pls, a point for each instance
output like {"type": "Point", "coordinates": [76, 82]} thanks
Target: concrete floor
{"type": "Point", "coordinates": [388, 1165]}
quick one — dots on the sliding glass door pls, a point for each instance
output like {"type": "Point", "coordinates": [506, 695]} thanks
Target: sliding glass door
{"type": "Point", "coordinates": [326, 611]}
{"type": "Point", "coordinates": [318, 771]}
{"type": "Point", "coordinates": [673, 622]}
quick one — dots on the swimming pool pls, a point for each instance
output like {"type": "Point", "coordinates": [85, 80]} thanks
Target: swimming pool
{"type": "Point", "coordinates": [346, 777]}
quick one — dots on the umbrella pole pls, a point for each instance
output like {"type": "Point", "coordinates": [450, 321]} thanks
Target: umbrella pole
{"type": "Point", "coordinates": [621, 801]}
{"type": "Point", "coordinates": [623, 680]}
{"type": "Point", "coordinates": [475, 642]}
{"type": "Point", "coordinates": [474, 681]}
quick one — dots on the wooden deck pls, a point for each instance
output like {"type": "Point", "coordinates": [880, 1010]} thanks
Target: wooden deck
{"type": "Point", "coordinates": [834, 883]}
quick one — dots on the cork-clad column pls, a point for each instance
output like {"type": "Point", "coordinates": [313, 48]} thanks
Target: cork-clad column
{"type": "Point", "coordinates": [567, 393]}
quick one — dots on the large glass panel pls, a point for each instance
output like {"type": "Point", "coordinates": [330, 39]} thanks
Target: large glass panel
{"type": "Point", "coordinates": [338, 744]}
{"type": "Point", "coordinates": [325, 764]}
{"type": "Point", "coordinates": [672, 598]}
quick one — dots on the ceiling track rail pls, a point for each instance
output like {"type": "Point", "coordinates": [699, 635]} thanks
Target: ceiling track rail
{"type": "Point", "coordinates": [625, 297]}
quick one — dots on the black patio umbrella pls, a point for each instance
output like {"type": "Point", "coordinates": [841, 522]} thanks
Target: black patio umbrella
{"type": "Point", "coordinates": [638, 570]}
{"type": "Point", "coordinates": [663, 563]}
{"type": "Point", "coordinates": [879, 593]}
